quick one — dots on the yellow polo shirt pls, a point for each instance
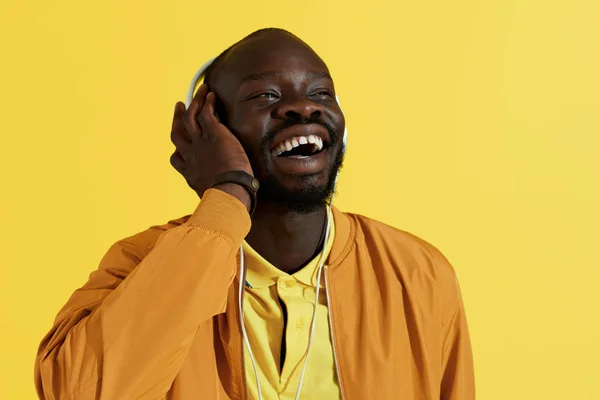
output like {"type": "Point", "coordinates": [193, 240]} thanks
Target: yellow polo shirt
{"type": "Point", "coordinates": [265, 326]}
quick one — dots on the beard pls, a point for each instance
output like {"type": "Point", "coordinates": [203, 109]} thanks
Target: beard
{"type": "Point", "coordinates": [311, 195]}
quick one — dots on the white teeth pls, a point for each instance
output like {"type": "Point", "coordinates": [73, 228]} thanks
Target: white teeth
{"type": "Point", "coordinates": [291, 143]}
{"type": "Point", "coordinates": [319, 143]}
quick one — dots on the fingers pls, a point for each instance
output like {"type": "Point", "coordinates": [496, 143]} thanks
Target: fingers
{"type": "Point", "coordinates": [191, 115]}
{"type": "Point", "coordinates": [178, 114]}
{"type": "Point", "coordinates": [207, 118]}
{"type": "Point", "coordinates": [177, 162]}
{"type": "Point", "coordinates": [179, 135]}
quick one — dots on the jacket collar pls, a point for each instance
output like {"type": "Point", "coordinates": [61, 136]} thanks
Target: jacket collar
{"type": "Point", "coordinates": [344, 240]}
{"type": "Point", "coordinates": [345, 237]}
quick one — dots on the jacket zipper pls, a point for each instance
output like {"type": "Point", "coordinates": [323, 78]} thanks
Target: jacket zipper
{"type": "Point", "coordinates": [244, 381]}
{"type": "Point", "coordinates": [330, 318]}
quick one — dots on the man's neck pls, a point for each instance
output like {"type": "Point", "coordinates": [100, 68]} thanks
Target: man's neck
{"type": "Point", "coordinates": [286, 239]}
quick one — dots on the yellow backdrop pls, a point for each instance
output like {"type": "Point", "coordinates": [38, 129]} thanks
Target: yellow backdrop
{"type": "Point", "coordinates": [474, 124]}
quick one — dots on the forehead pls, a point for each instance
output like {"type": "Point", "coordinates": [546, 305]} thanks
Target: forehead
{"type": "Point", "coordinates": [281, 55]}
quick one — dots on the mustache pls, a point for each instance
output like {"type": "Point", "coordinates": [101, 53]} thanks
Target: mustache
{"type": "Point", "coordinates": [289, 122]}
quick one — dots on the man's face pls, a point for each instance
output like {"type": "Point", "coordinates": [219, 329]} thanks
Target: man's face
{"type": "Point", "coordinates": [277, 97]}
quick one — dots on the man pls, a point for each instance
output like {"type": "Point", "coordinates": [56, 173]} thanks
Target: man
{"type": "Point", "coordinates": [161, 319]}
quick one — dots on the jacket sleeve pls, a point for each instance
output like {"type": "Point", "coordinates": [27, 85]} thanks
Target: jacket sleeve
{"type": "Point", "coordinates": [458, 378]}
{"type": "Point", "coordinates": [126, 333]}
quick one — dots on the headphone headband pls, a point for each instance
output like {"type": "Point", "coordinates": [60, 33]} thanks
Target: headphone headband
{"type": "Point", "coordinates": [197, 76]}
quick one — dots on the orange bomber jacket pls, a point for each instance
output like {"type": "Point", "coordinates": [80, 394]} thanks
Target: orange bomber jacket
{"type": "Point", "coordinates": [159, 318]}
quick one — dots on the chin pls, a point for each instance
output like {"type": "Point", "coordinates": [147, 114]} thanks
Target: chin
{"type": "Point", "coordinates": [302, 195]}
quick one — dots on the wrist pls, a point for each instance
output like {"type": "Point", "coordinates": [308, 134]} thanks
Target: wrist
{"type": "Point", "coordinates": [241, 179]}
{"type": "Point", "coordinates": [237, 191]}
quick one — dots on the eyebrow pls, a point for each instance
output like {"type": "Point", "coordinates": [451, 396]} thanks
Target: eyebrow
{"type": "Point", "coordinates": [263, 76]}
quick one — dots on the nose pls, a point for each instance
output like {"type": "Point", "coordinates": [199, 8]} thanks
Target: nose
{"type": "Point", "coordinates": [298, 108]}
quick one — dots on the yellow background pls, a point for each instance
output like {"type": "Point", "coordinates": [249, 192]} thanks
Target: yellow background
{"type": "Point", "coordinates": [474, 124]}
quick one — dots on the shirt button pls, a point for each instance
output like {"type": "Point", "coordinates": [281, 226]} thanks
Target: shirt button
{"type": "Point", "coordinates": [299, 325]}
{"type": "Point", "coordinates": [290, 284]}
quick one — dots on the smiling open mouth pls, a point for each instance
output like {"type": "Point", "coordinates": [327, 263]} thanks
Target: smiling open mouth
{"type": "Point", "coordinates": [299, 147]}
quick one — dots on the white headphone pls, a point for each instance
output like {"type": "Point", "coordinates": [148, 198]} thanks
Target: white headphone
{"type": "Point", "coordinates": [188, 100]}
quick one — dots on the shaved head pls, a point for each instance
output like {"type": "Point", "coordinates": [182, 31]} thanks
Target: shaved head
{"type": "Point", "coordinates": [270, 34]}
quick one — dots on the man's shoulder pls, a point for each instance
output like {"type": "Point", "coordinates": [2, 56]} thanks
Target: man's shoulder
{"type": "Point", "coordinates": [140, 244]}
{"type": "Point", "coordinates": [404, 249]}
{"type": "Point", "coordinates": [373, 229]}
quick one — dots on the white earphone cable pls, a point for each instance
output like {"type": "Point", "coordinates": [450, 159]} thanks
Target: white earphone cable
{"type": "Point", "coordinates": [314, 317]}
{"type": "Point", "coordinates": [243, 324]}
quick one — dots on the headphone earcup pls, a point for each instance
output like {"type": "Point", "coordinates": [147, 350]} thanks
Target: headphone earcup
{"type": "Point", "coordinates": [345, 138]}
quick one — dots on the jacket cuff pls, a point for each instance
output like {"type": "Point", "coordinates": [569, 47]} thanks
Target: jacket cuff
{"type": "Point", "coordinates": [221, 212]}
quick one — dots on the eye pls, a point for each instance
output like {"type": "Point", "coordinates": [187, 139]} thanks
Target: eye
{"type": "Point", "coordinates": [265, 95]}
{"type": "Point", "coordinates": [322, 93]}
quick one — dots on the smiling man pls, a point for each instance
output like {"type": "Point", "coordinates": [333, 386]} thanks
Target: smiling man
{"type": "Point", "coordinates": [264, 291]}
